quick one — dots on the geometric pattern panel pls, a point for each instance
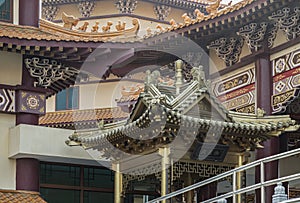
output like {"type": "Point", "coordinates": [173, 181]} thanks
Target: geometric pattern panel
{"type": "Point", "coordinates": [31, 102]}
{"type": "Point", "coordinates": [286, 80]}
{"type": "Point", "coordinates": [237, 91]}
{"type": "Point", "coordinates": [7, 100]}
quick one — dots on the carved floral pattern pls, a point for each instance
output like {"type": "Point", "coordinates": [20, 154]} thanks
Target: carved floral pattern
{"type": "Point", "coordinates": [162, 11]}
{"type": "Point", "coordinates": [126, 6]}
{"type": "Point", "coordinates": [49, 12]}
{"type": "Point", "coordinates": [86, 8]}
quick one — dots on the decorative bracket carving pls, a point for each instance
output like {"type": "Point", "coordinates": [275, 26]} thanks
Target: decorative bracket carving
{"type": "Point", "coordinates": [126, 6]}
{"type": "Point", "coordinates": [254, 34]}
{"type": "Point", "coordinates": [49, 12]}
{"type": "Point", "coordinates": [228, 49]}
{"type": "Point", "coordinates": [162, 11]}
{"type": "Point", "coordinates": [288, 21]}
{"type": "Point", "coordinates": [86, 8]}
{"type": "Point", "coordinates": [47, 72]}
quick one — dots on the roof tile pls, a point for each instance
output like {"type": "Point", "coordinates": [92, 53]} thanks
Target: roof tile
{"type": "Point", "coordinates": [62, 118]}
{"type": "Point", "coordinates": [18, 196]}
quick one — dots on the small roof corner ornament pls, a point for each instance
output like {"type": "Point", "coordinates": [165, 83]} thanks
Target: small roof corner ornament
{"type": "Point", "coordinates": [152, 78]}
{"type": "Point", "coordinates": [260, 112]}
{"type": "Point", "coordinates": [199, 75]}
{"type": "Point", "coordinates": [101, 124]}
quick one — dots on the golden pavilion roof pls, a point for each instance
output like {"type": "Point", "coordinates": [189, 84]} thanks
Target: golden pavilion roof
{"type": "Point", "coordinates": [183, 111]}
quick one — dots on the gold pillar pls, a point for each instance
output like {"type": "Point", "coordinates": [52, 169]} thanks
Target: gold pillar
{"type": "Point", "coordinates": [164, 152]}
{"type": "Point", "coordinates": [118, 183]}
{"type": "Point", "coordinates": [239, 177]}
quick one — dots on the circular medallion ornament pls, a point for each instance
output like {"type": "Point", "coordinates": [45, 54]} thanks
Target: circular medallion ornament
{"type": "Point", "coordinates": [32, 102]}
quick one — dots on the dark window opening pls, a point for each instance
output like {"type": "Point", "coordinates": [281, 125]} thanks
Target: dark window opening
{"type": "Point", "coordinates": [66, 183]}
{"type": "Point", "coordinates": [67, 99]}
{"type": "Point", "coordinates": [6, 10]}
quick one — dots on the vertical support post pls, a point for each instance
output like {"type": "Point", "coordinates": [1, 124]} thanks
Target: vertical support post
{"type": "Point", "coordinates": [118, 183]}
{"type": "Point", "coordinates": [239, 177]}
{"type": "Point", "coordinates": [234, 187]}
{"type": "Point", "coordinates": [189, 197]}
{"type": "Point", "coordinates": [264, 90]}
{"type": "Point", "coordinates": [164, 152]}
{"type": "Point", "coordinates": [27, 176]}
{"type": "Point", "coordinates": [29, 12]}
{"type": "Point", "coordinates": [262, 180]}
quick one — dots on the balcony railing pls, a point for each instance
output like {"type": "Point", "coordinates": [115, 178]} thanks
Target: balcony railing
{"type": "Point", "coordinates": [233, 173]}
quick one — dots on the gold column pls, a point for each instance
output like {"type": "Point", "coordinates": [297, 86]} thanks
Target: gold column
{"type": "Point", "coordinates": [164, 152]}
{"type": "Point", "coordinates": [239, 177]}
{"type": "Point", "coordinates": [118, 183]}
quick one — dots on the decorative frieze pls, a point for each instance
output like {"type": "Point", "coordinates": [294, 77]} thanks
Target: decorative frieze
{"type": "Point", "coordinates": [237, 91]}
{"type": "Point", "coordinates": [14, 100]}
{"type": "Point", "coordinates": [31, 102]}
{"type": "Point", "coordinates": [161, 11]}
{"type": "Point", "coordinates": [49, 12]}
{"type": "Point", "coordinates": [126, 6]}
{"type": "Point", "coordinates": [228, 49]}
{"type": "Point", "coordinates": [287, 19]}
{"type": "Point", "coordinates": [233, 82]}
{"type": "Point", "coordinates": [286, 80]}
{"type": "Point", "coordinates": [7, 100]}
{"type": "Point", "coordinates": [48, 71]}
{"type": "Point", "coordinates": [203, 170]}
{"type": "Point", "coordinates": [86, 8]}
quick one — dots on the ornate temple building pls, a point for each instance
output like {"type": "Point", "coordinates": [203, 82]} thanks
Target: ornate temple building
{"type": "Point", "coordinates": [130, 100]}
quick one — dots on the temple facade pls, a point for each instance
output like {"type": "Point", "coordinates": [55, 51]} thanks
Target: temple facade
{"type": "Point", "coordinates": [129, 100]}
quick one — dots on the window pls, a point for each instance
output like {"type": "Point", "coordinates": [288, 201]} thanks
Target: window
{"type": "Point", "coordinates": [62, 183]}
{"type": "Point", "coordinates": [67, 99]}
{"type": "Point", "coordinates": [6, 10]}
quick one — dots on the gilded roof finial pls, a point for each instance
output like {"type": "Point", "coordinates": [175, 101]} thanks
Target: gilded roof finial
{"type": "Point", "coordinates": [149, 31]}
{"type": "Point", "coordinates": [199, 14]}
{"type": "Point", "coordinates": [187, 20]}
{"type": "Point", "coordinates": [106, 28]}
{"type": "Point", "coordinates": [173, 24]}
{"type": "Point", "coordinates": [120, 26]}
{"type": "Point", "coordinates": [213, 8]}
{"type": "Point", "coordinates": [95, 27]}
{"type": "Point", "coordinates": [69, 21]}
{"type": "Point", "coordinates": [178, 75]}
{"type": "Point", "coordinates": [160, 28]}
{"type": "Point", "coordinates": [84, 26]}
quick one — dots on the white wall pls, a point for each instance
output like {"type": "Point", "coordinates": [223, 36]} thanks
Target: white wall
{"type": "Point", "coordinates": [7, 166]}
{"type": "Point", "coordinates": [11, 68]}
{"type": "Point", "coordinates": [45, 144]}
{"type": "Point", "coordinates": [99, 95]}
